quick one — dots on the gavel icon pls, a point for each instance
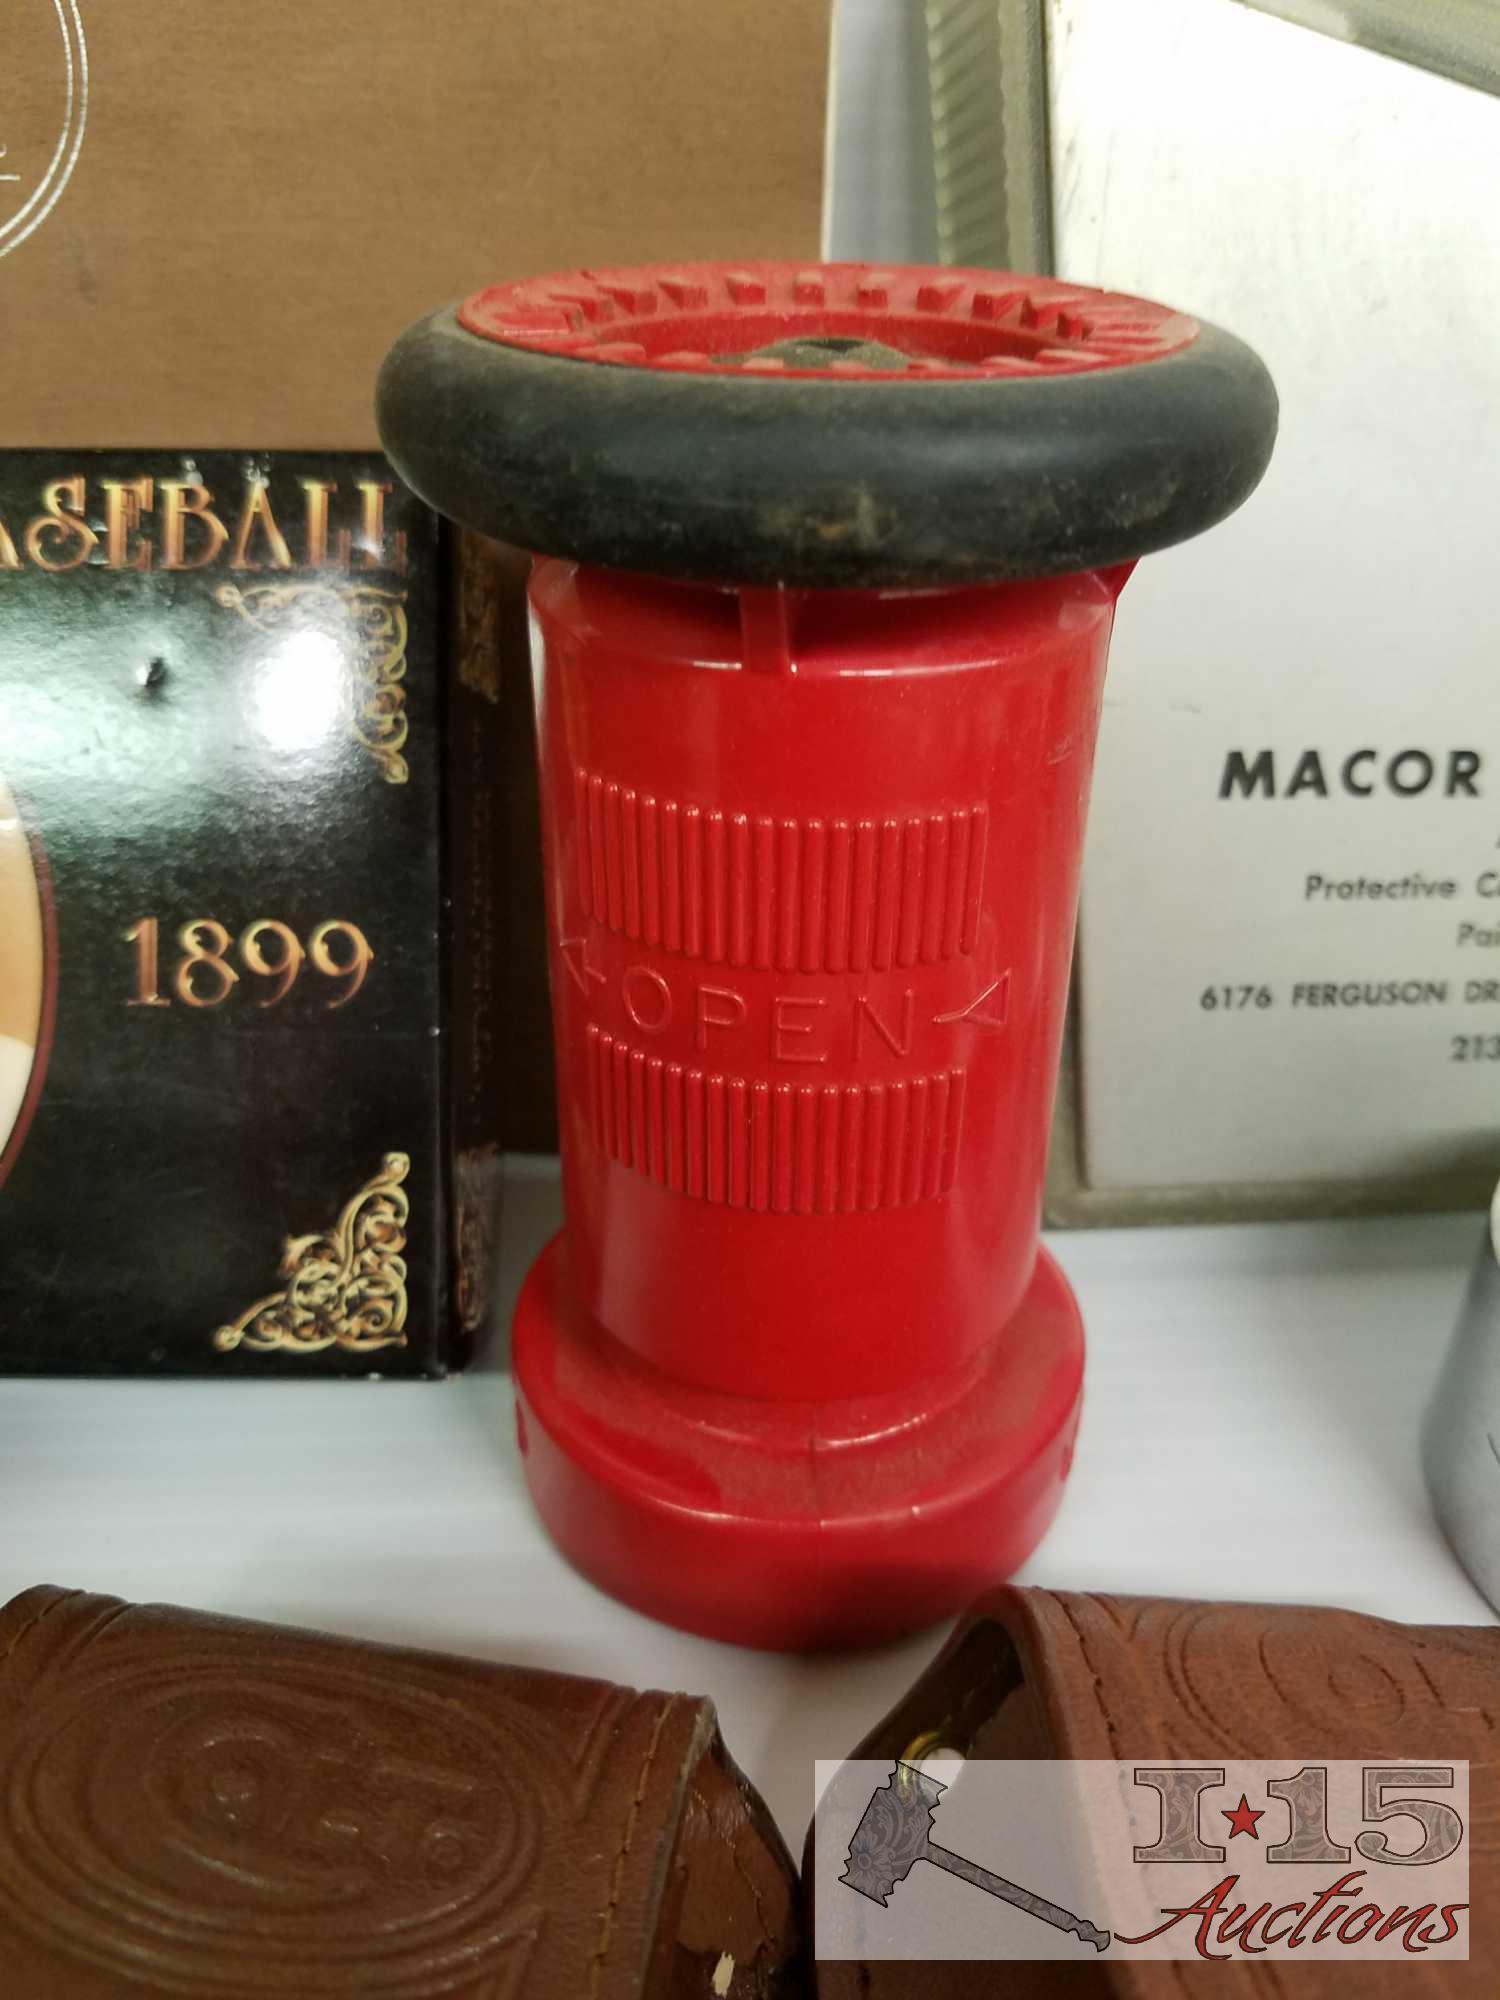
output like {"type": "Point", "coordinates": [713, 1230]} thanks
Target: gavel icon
{"type": "Point", "coordinates": [895, 1833]}
{"type": "Point", "coordinates": [827, 560]}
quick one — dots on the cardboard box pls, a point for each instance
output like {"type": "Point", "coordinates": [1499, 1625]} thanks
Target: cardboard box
{"type": "Point", "coordinates": [214, 222]}
{"type": "Point", "coordinates": [249, 923]}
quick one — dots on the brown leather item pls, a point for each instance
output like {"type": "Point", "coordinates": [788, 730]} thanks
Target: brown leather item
{"type": "Point", "coordinates": [202, 1807]}
{"type": "Point", "coordinates": [1041, 1674]}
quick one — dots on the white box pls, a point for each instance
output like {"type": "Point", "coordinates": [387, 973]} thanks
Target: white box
{"type": "Point", "coordinates": [1313, 689]}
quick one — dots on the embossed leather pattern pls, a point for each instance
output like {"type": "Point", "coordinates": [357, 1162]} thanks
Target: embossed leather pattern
{"type": "Point", "coordinates": [1038, 1673]}
{"type": "Point", "coordinates": [202, 1807]}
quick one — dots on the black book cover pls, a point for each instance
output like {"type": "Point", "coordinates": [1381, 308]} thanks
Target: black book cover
{"type": "Point", "coordinates": [223, 1143]}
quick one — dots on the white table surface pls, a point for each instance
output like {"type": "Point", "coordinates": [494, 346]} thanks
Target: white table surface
{"type": "Point", "coordinates": [1249, 1431]}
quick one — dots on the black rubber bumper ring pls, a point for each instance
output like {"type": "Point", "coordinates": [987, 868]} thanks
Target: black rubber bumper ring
{"type": "Point", "coordinates": [825, 482]}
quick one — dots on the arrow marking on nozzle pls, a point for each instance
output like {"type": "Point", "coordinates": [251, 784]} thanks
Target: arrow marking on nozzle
{"type": "Point", "coordinates": [580, 968]}
{"type": "Point", "coordinates": [1000, 984]}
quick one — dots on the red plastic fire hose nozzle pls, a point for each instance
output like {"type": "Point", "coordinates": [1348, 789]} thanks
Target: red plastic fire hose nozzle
{"type": "Point", "coordinates": [828, 564]}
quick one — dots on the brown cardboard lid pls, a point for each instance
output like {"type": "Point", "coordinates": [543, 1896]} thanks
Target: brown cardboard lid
{"type": "Point", "coordinates": [220, 222]}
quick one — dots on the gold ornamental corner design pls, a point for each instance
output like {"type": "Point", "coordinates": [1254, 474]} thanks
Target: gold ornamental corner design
{"type": "Point", "coordinates": [345, 1289]}
{"type": "Point", "coordinates": [378, 720]}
